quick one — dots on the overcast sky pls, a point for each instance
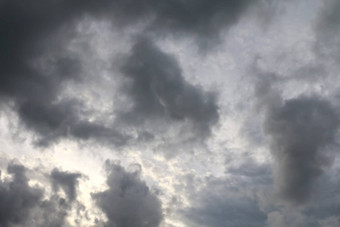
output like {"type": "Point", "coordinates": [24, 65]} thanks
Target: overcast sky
{"type": "Point", "coordinates": [169, 113]}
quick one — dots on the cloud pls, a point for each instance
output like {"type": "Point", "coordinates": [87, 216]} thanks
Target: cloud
{"type": "Point", "coordinates": [35, 63]}
{"type": "Point", "coordinates": [32, 31]}
{"type": "Point", "coordinates": [282, 219]}
{"type": "Point", "coordinates": [159, 90]}
{"type": "Point", "coordinates": [322, 209]}
{"type": "Point", "coordinates": [25, 205]}
{"type": "Point", "coordinates": [29, 32]}
{"type": "Point", "coordinates": [232, 200]}
{"type": "Point", "coordinates": [67, 181]}
{"type": "Point", "coordinates": [200, 18]}
{"type": "Point", "coordinates": [128, 201]}
{"type": "Point", "coordinates": [225, 202]}
{"type": "Point", "coordinates": [17, 197]}
{"type": "Point", "coordinates": [299, 131]}
{"type": "Point", "coordinates": [327, 31]}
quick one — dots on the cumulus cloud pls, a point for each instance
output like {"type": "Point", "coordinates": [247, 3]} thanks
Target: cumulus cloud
{"type": "Point", "coordinates": [67, 181]}
{"type": "Point", "coordinates": [128, 201]}
{"type": "Point", "coordinates": [299, 130]}
{"type": "Point", "coordinates": [25, 205]}
{"type": "Point", "coordinates": [158, 89]}
{"type": "Point", "coordinates": [17, 198]}
{"type": "Point", "coordinates": [30, 30]}
{"type": "Point", "coordinates": [38, 69]}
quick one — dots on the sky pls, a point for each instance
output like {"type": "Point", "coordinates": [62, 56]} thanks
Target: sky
{"type": "Point", "coordinates": [169, 113]}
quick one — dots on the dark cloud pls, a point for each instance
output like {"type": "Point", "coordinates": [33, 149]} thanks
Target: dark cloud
{"type": "Point", "coordinates": [245, 198]}
{"type": "Point", "coordinates": [158, 89]}
{"type": "Point", "coordinates": [24, 205]}
{"type": "Point", "coordinates": [29, 31]}
{"type": "Point", "coordinates": [327, 33]}
{"type": "Point", "coordinates": [200, 19]}
{"type": "Point", "coordinates": [17, 197]}
{"type": "Point", "coordinates": [67, 181]}
{"type": "Point", "coordinates": [204, 19]}
{"type": "Point", "coordinates": [299, 130]}
{"type": "Point", "coordinates": [321, 211]}
{"type": "Point", "coordinates": [325, 203]}
{"type": "Point", "coordinates": [128, 201]}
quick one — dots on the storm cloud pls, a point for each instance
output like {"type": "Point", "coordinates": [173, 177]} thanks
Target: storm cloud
{"type": "Point", "coordinates": [165, 83]}
{"type": "Point", "coordinates": [25, 205]}
{"type": "Point", "coordinates": [158, 89]}
{"type": "Point", "coordinates": [29, 31]}
{"type": "Point", "coordinates": [17, 198]}
{"type": "Point", "coordinates": [299, 130]}
{"type": "Point", "coordinates": [128, 202]}
{"type": "Point", "coordinates": [67, 181]}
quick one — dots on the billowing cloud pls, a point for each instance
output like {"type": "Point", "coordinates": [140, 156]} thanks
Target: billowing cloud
{"type": "Point", "coordinates": [159, 90]}
{"type": "Point", "coordinates": [167, 85]}
{"type": "Point", "coordinates": [128, 201]}
{"type": "Point", "coordinates": [299, 131]}
{"type": "Point", "coordinates": [17, 198]}
{"type": "Point", "coordinates": [30, 30]}
{"type": "Point", "coordinates": [25, 205]}
{"type": "Point", "coordinates": [67, 181]}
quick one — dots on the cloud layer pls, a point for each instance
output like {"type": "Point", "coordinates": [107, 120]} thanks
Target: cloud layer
{"type": "Point", "coordinates": [231, 113]}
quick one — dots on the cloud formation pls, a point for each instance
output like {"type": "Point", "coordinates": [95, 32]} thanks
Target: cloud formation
{"type": "Point", "coordinates": [67, 181]}
{"type": "Point", "coordinates": [158, 90]}
{"type": "Point", "coordinates": [299, 131]}
{"type": "Point", "coordinates": [25, 205]}
{"type": "Point", "coordinates": [228, 201]}
{"type": "Point", "coordinates": [30, 30]}
{"type": "Point", "coordinates": [43, 64]}
{"type": "Point", "coordinates": [128, 202]}
{"type": "Point", "coordinates": [17, 198]}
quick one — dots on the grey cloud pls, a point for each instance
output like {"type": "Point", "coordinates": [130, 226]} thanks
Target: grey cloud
{"type": "Point", "coordinates": [299, 130]}
{"type": "Point", "coordinates": [244, 198]}
{"type": "Point", "coordinates": [198, 18]}
{"type": "Point", "coordinates": [325, 205]}
{"type": "Point", "coordinates": [128, 201]}
{"type": "Point", "coordinates": [228, 201]}
{"type": "Point", "coordinates": [251, 169]}
{"type": "Point", "coordinates": [30, 30]}
{"type": "Point", "coordinates": [327, 33]}
{"type": "Point", "coordinates": [24, 205]}
{"type": "Point", "coordinates": [232, 211]}
{"type": "Point", "coordinates": [322, 210]}
{"type": "Point", "coordinates": [204, 19]}
{"type": "Point", "coordinates": [158, 89]}
{"type": "Point", "coordinates": [232, 200]}
{"type": "Point", "coordinates": [286, 218]}
{"type": "Point", "coordinates": [67, 181]}
{"type": "Point", "coordinates": [17, 197]}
